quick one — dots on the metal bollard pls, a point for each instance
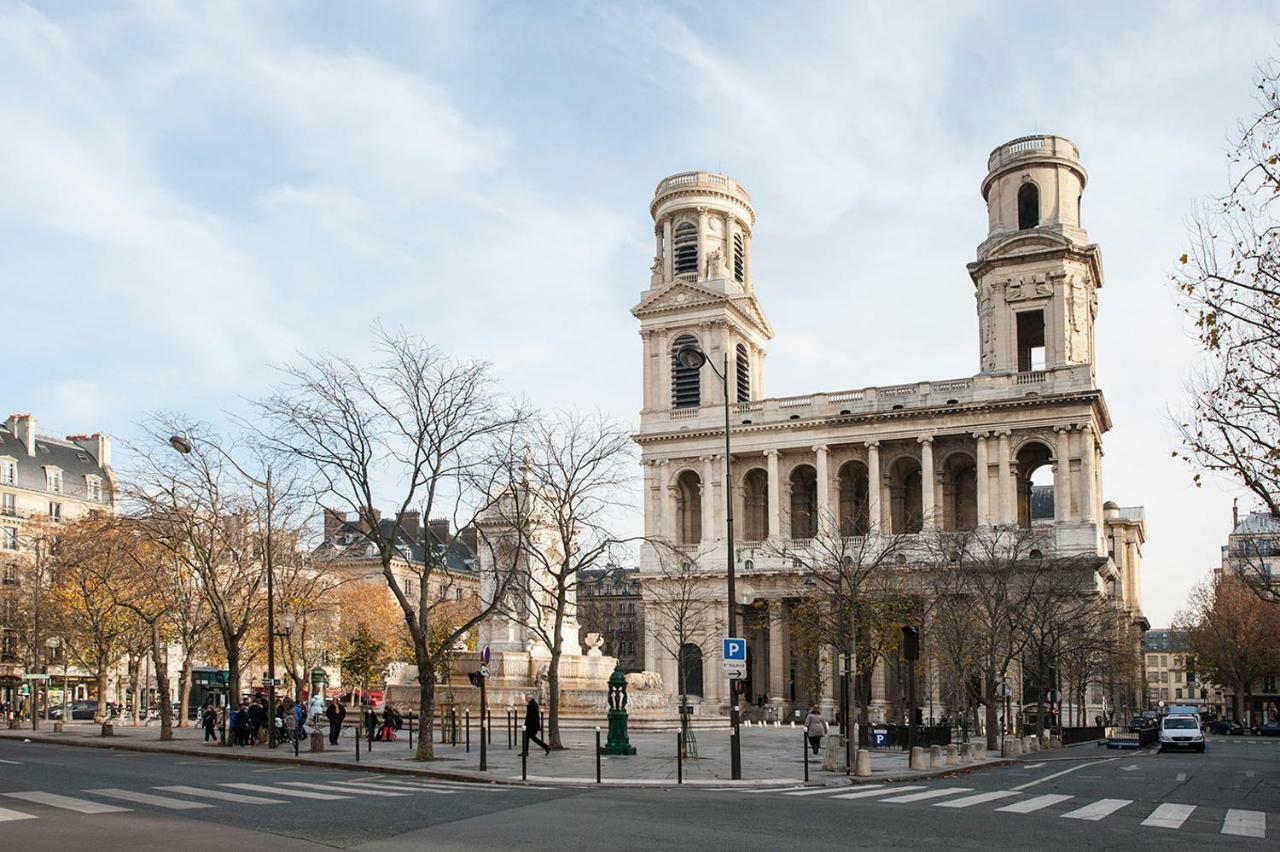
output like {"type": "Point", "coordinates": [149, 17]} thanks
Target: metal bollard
{"type": "Point", "coordinates": [510, 731]}
{"type": "Point", "coordinates": [805, 743]}
{"type": "Point", "coordinates": [524, 755]}
{"type": "Point", "coordinates": [357, 739]}
{"type": "Point", "coordinates": [410, 732]}
{"type": "Point", "coordinates": [466, 719]}
{"type": "Point", "coordinates": [679, 757]}
{"type": "Point", "coordinates": [597, 754]}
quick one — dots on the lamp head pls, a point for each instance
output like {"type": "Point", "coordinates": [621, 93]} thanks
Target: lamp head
{"type": "Point", "coordinates": [180, 444]}
{"type": "Point", "coordinates": [286, 622]}
{"type": "Point", "coordinates": [691, 356]}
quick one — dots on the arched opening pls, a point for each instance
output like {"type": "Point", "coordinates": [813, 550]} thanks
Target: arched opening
{"type": "Point", "coordinates": [855, 514]}
{"type": "Point", "coordinates": [906, 496]}
{"type": "Point", "coordinates": [804, 502]}
{"type": "Point", "coordinates": [1035, 484]}
{"type": "Point", "coordinates": [739, 260]}
{"type": "Point", "coordinates": [685, 381]}
{"type": "Point", "coordinates": [685, 249]}
{"type": "Point", "coordinates": [1028, 206]}
{"type": "Point", "coordinates": [690, 669]}
{"type": "Point", "coordinates": [960, 493]}
{"type": "Point", "coordinates": [689, 508]}
{"type": "Point", "coordinates": [755, 505]}
{"type": "Point", "coordinates": [742, 367]}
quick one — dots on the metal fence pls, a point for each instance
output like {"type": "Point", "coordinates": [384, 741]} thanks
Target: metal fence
{"type": "Point", "coordinates": [895, 736]}
{"type": "Point", "coordinates": [1071, 736]}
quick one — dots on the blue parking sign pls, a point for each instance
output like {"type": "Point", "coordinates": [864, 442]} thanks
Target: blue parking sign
{"type": "Point", "coordinates": [734, 649]}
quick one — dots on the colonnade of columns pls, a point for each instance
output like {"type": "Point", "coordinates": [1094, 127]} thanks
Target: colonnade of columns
{"type": "Point", "coordinates": [1073, 448]}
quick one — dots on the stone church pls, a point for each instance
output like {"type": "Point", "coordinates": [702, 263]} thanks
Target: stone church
{"type": "Point", "coordinates": [1019, 442]}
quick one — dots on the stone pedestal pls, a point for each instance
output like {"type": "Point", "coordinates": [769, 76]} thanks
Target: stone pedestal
{"type": "Point", "coordinates": [916, 761]}
{"type": "Point", "coordinates": [57, 727]}
{"type": "Point", "coordinates": [108, 729]}
{"type": "Point", "coordinates": [317, 741]}
{"type": "Point", "coordinates": [862, 763]}
{"type": "Point", "coordinates": [833, 756]}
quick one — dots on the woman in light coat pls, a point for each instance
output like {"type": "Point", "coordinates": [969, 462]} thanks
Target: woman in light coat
{"type": "Point", "coordinates": [815, 727]}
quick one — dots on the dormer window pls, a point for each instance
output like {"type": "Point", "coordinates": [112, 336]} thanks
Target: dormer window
{"type": "Point", "coordinates": [93, 487]}
{"type": "Point", "coordinates": [8, 471]}
{"type": "Point", "coordinates": [53, 479]}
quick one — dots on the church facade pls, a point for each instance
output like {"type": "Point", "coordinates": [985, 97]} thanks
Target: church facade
{"type": "Point", "coordinates": [1018, 443]}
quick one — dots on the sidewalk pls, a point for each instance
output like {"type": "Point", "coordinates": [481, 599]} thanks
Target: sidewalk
{"type": "Point", "coordinates": [770, 757]}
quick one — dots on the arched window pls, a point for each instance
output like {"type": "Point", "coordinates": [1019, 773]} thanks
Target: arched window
{"type": "Point", "coordinates": [854, 509]}
{"type": "Point", "coordinates": [906, 494]}
{"type": "Point", "coordinates": [739, 260]}
{"type": "Point", "coordinates": [755, 504]}
{"type": "Point", "coordinates": [1028, 206]}
{"type": "Point", "coordinates": [960, 493]}
{"type": "Point", "coordinates": [1035, 484]}
{"type": "Point", "coordinates": [804, 502]}
{"type": "Point", "coordinates": [743, 365]}
{"type": "Point", "coordinates": [685, 392]}
{"type": "Point", "coordinates": [685, 248]}
{"type": "Point", "coordinates": [689, 508]}
{"type": "Point", "coordinates": [690, 674]}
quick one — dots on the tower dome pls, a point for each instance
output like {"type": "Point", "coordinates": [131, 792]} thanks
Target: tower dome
{"type": "Point", "coordinates": [1035, 182]}
{"type": "Point", "coordinates": [702, 223]}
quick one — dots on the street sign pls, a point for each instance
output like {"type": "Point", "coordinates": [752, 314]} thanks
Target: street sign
{"type": "Point", "coordinates": [1003, 690]}
{"type": "Point", "coordinates": [734, 649]}
{"type": "Point", "coordinates": [736, 669]}
{"type": "Point", "coordinates": [35, 677]}
{"type": "Point", "coordinates": [484, 670]}
{"type": "Point", "coordinates": [1051, 696]}
{"type": "Point", "coordinates": [484, 658]}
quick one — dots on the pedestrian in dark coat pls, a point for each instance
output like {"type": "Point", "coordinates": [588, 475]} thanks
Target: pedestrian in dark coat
{"type": "Point", "coordinates": [335, 713]}
{"type": "Point", "coordinates": [533, 726]}
{"type": "Point", "coordinates": [210, 721]}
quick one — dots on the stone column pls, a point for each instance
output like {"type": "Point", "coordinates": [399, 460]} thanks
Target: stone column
{"type": "Point", "coordinates": [777, 651]}
{"type": "Point", "coordinates": [746, 262]}
{"type": "Point", "coordinates": [927, 499]}
{"type": "Point", "coordinates": [668, 259]}
{"type": "Point", "coordinates": [873, 485]}
{"type": "Point", "coordinates": [663, 401]}
{"type": "Point", "coordinates": [650, 646]}
{"type": "Point", "coordinates": [830, 682]}
{"type": "Point", "coordinates": [731, 374]}
{"type": "Point", "coordinates": [825, 515]}
{"type": "Point", "coordinates": [775, 488]}
{"type": "Point", "coordinates": [1008, 509]}
{"type": "Point", "coordinates": [1062, 476]}
{"type": "Point", "coordinates": [879, 690]}
{"type": "Point", "coordinates": [667, 495]}
{"type": "Point", "coordinates": [709, 526]}
{"type": "Point", "coordinates": [702, 244]}
{"type": "Point", "coordinates": [984, 480]}
{"type": "Point", "coordinates": [1088, 492]}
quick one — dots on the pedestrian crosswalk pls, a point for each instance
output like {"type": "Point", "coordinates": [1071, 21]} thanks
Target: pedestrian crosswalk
{"type": "Point", "coordinates": [1166, 815]}
{"type": "Point", "coordinates": [185, 797]}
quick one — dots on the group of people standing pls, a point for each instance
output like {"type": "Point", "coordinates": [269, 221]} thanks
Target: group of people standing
{"type": "Point", "coordinates": [247, 723]}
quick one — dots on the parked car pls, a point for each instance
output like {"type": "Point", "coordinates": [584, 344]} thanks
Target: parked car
{"type": "Point", "coordinates": [1181, 732]}
{"type": "Point", "coordinates": [1140, 723]}
{"type": "Point", "coordinates": [80, 710]}
{"type": "Point", "coordinates": [1267, 729]}
{"type": "Point", "coordinates": [1226, 726]}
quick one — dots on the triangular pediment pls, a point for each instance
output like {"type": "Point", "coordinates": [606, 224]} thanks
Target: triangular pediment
{"type": "Point", "coordinates": [682, 295]}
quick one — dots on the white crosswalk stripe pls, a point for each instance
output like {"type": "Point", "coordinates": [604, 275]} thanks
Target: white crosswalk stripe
{"type": "Point", "coordinates": [879, 791]}
{"type": "Point", "coordinates": [1035, 804]}
{"type": "Point", "coordinates": [66, 803]}
{"type": "Point", "coordinates": [1245, 823]}
{"type": "Point", "coordinates": [937, 793]}
{"type": "Point", "coordinates": [811, 791]}
{"type": "Point", "coordinates": [341, 788]}
{"type": "Point", "coordinates": [7, 815]}
{"type": "Point", "coordinates": [277, 791]}
{"type": "Point", "coordinates": [976, 799]}
{"type": "Point", "coordinates": [222, 795]}
{"type": "Point", "coordinates": [403, 786]}
{"type": "Point", "coordinates": [1169, 815]}
{"type": "Point", "coordinates": [149, 799]}
{"type": "Point", "coordinates": [1097, 810]}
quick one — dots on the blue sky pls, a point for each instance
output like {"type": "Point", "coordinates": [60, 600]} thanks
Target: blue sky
{"type": "Point", "coordinates": [193, 192]}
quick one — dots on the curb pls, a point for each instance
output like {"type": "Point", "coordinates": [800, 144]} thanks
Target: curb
{"type": "Point", "coordinates": [466, 776]}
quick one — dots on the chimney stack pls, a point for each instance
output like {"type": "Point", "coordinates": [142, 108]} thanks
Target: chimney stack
{"type": "Point", "coordinates": [411, 523]}
{"type": "Point", "coordinates": [333, 521]}
{"type": "Point", "coordinates": [439, 529]}
{"type": "Point", "coordinates": [365, 524]}
{"type": "Point", "coordinates": [23, 427]}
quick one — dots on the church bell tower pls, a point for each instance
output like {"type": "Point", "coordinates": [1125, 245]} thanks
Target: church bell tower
{"type": "Point", "coordinates": [1037, 275]}
{"type": "Point", "coordinates": [701, 291]}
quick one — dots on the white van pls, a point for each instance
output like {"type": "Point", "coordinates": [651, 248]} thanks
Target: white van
{"type": "Point", "coordinates": [1179, 730]}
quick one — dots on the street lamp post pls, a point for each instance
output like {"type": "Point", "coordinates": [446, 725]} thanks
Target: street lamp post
{"type": "Point", "coordinates": [52, 644]}
{"type": "Point", "coordinates": [692, 357]}
{"type": "Point", "coordinates": [184, 446]}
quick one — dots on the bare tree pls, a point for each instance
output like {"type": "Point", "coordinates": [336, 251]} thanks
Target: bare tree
{"type": "Point", "coordinates": [415, 424]}
{"type": "Point", "coordinates": [574, 472]}
{"type": "Point", "coordinates": [682, 613]}
{"type": "Point", "coordinates": [1230, 285]}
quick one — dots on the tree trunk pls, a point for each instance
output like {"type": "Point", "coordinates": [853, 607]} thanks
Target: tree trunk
{"type": "Point", "coordinates": [553, 697]}
{"type": "Point", "coordinates": [184, 688]}
{"type": "Point", "coordinates": [993, 720]}
{"type": "Point", "coordinates": [233, 678]}
{"type": "Point", "coordinates": [103, 677]}
{"type": "Point", "coordinates": [426, 709]}
{"type": "Point", "coordinates": [160, 659]}
{"type": "Point", "coordinates": [135, 686]}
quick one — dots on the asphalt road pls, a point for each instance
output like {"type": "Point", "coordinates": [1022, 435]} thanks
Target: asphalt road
{"type": "Point", "coordinates": [58, 797]}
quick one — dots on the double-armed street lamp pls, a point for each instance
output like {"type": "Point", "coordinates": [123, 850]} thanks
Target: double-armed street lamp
{"type": "Point", "coordinates": [691, 356]}
{"type": "Point", "coordinates": [184, 446]}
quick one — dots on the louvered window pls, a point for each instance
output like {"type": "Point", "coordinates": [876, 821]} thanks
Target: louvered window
{"type": "Point", "coordinates": [685, 246]}
{"type": "Point", "coordinates": [739, 260]}
{"type": "Point", "coordinates": [743, 365]}
{"type": "Point", "coordinates": [685, 391]}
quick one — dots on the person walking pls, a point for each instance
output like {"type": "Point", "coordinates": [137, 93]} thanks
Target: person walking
{"type": "Point", "coordinates": [533, 726]}
{"type": "Point", "coordinates": [815, 728]}
{"type": "Point", "coordinates": [335, 713]}
{"type": "Point", "coordinates": [210, 721]}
